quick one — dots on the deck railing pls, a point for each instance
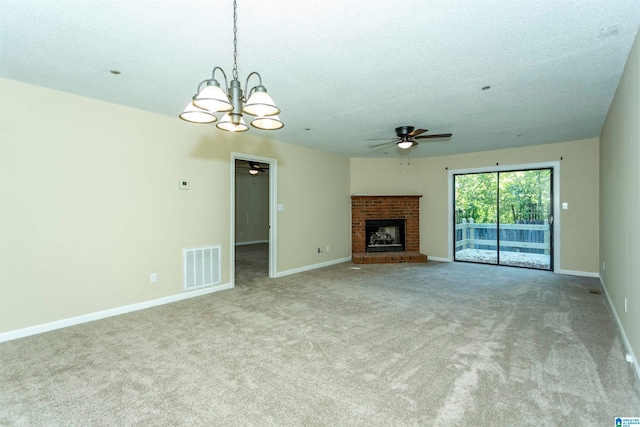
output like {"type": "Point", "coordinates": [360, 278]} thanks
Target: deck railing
{"type": "Point", "coordinates": [532, 238]}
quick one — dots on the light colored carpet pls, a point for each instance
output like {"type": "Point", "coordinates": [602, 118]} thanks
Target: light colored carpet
{"type": "Point", "coordinates": [402, 345]}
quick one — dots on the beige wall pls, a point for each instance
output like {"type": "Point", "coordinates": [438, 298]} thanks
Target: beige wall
{"type": "Point", "coordinates": [90, 204]}
{"type": "Point", "coordinates": [620, 199]}
{"type": "Point", "coordinates": [429, 177]}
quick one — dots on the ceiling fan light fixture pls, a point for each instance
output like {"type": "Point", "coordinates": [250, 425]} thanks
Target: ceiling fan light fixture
{"type": "Point", "coordinates": [405, 144]}
{"type": "Point", "coordinates": [267, 123]}
{"type": "Point", "coordinates": [253, 171]}
{"type": "Point", "coordinates": [193, 114]}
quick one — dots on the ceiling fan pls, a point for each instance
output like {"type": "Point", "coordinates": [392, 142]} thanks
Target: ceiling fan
{"type": "Point", "coordinates": [405, 138]}
{"type": "Point", "coordinates": [252, 167]}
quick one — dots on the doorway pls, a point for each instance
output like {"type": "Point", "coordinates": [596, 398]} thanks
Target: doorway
{"type": "Point", "coordinates": [505, 218]}
{"type": "Point", "coordinates": [253, 217]}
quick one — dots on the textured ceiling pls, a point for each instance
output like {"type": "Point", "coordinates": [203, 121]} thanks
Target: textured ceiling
{"type": "Point", "coordinates": [342, 72]}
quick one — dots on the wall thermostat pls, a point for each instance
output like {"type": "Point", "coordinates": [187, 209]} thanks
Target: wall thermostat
{"type": "Point", "coordinates": [184, 185]}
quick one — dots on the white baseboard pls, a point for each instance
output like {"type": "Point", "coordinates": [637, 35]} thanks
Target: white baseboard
{"type": "Point", "coordinates": [59, 324]}
{"type": "Point", "coordinates": [622, 332]}
{"type": "Point", "coordinates": [312, 267]}
{"type": "Point", "coordinates": [578, 273]}
{"type": "Point", "coordinates": [439, 259]}
{"type": "Point", "coordinates": [251, 243]}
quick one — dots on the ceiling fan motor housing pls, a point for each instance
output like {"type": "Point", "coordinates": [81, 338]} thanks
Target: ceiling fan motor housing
{"type": "Point", "coordinates": [404, 130]}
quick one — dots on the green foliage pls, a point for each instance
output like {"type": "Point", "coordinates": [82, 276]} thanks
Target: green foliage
{"type": "Point", "coordinates": [524, 196]}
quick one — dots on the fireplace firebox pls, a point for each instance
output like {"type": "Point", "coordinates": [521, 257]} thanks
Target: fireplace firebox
{"type": "Point", "coordinates": [385, 235]}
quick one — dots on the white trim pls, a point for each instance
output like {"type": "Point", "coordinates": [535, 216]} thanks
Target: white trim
{"type": "Point", "coordinates": [313, 267]}
{"type": "Point", "coordinates": [251, 243]}
{"type": "Point", "coordinates": [554, 165]}
{"type": "Point", "coordinates": [72, 321]}
{"type": "Point", "coordinates": [439, 259]}
{"type": "Point", "coordinates": [579, 273]}
{"type": "Point", "coordinates": [627, 344]}
{"type": "Point", "coordinates": [273, 210]}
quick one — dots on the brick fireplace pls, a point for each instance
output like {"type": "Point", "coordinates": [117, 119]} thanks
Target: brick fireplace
{"type": "Point", "coordinates": [368, 209]}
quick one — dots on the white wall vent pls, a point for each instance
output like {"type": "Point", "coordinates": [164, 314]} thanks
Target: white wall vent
{"type": "Point", "coordinates": [201, 267]}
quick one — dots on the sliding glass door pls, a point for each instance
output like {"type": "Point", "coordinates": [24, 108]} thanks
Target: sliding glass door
{"type": "Point", "coordinates": [505, 218]}
{"type": "Point", "coordinates": [476, 217]}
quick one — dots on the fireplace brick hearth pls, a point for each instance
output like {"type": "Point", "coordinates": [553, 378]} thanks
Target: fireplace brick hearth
{"type": "Point", "coordinates": [365, 208]}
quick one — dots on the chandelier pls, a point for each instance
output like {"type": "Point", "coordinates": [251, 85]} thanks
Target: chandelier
{"type": "Point", "coordinates": [210, 99]}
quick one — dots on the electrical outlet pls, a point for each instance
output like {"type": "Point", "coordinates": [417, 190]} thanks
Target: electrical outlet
{"type": "Point", "coordinates": [153, 277]}
{"type": "Point", "coordinates": [327, 250]}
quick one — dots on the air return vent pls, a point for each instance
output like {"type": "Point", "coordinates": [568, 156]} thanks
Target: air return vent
{"type": "Point", "coordinates": [201, 267]}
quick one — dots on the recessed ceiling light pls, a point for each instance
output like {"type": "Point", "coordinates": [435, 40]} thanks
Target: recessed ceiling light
{"type": "Point", "coordinates": [115, 72]}
{"type": "Point", "coordinates": [486, 88]}
{"type": "Point", "coordinates": [609, 30]}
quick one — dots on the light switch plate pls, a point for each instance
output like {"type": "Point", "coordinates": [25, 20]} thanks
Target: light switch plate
{"type": "Point", "coordinates": [565, 206]}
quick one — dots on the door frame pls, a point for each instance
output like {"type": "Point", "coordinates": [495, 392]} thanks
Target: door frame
{"type": "Point", "coordinates": [273, 210]}
{"type": "Point", "coordinates": [555, 168]}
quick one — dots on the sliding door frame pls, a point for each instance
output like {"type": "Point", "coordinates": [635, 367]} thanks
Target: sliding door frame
{"type": "Point", "coordinates": [555, 172]}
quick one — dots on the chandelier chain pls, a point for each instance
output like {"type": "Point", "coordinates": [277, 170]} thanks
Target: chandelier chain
{"type": "Point", "coordinates": [235, 41]}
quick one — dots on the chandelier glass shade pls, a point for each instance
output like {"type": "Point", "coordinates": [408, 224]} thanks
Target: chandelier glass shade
{"type": "Point", "coordinates": [210, 99]}
{"type": "Point", "coordinates": [267, 123]}
{"type": "Point", "coordinates": [226, 123]}
{"type": "Point", "coordinates": [193, 114]}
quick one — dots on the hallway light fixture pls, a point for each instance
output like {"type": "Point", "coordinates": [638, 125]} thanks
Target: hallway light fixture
{"type": "Point", "coordinates": [210, 99]}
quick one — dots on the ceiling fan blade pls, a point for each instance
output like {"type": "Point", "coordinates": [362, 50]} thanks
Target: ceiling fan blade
{"type": "Point", "coordinates": [442, 135]}
{"type": "Point", "coordinates": [377, 139]}
{"type": "Point", "coordinates": [417, 132]}
{"type": "Point", "coordinates": [380, 145]}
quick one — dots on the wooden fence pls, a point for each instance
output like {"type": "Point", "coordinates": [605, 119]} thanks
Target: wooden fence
{"type": "Point", "coordinates": [529, 238]}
